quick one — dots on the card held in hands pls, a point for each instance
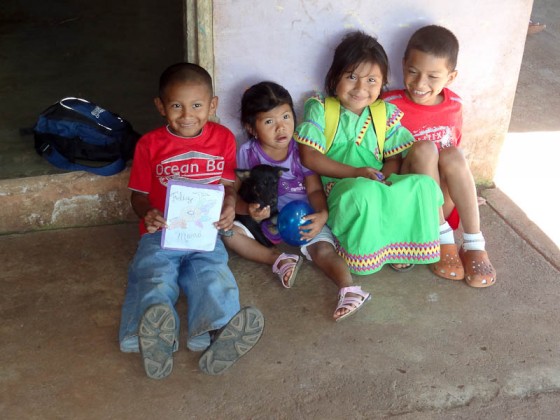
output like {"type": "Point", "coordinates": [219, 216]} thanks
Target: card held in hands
{"type": "Point", "coordinates": [190, 211]}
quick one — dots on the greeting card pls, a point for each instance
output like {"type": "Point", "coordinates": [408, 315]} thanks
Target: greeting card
{"type": "Point", "coordinates": [191, 211]}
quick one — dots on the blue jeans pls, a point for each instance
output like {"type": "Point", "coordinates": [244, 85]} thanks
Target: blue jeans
{"type": "Point", "coordinates": [155, 276]}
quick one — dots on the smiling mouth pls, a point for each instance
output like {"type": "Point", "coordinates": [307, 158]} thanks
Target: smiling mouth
{"type": "Point", "coordinates": [419, 93]}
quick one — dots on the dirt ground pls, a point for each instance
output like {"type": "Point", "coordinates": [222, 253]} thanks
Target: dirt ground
{"type": "Point", "coordinates": [423, 348]}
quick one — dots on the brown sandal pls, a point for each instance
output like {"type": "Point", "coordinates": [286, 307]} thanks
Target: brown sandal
{"type": "Point", "coordinates": [449, 266]}
{"type": "Point", "coordinates": [535, 27]}
{"type": "Point", "coordinates": [479, 272]}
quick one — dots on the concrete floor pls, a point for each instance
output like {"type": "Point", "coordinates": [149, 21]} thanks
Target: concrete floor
{"type": "Point", "coordinates": [423, 348]}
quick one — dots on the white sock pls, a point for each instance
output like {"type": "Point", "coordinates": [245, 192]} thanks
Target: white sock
{"type": "Point", "coordinates": [446, 234]}
{"type": "Point", "coordinates": [473, 242]}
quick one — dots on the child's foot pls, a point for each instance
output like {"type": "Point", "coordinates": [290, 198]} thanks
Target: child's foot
{"type": "Point", "coordinates": [157, 334]}
{"type": "Point", "coordinates": [449, 265]}
{"type": "Point", "coordinates": [287, 267]}
{"type": "Point", "coordinates": [234, 340]}
{"type": "Point", "coordinates": [350, 299]}
{"type": "Point", "coordinates": [402, 268]}
{"type": "Point", "coordinates": [535, 27]}
{"type": "Point", "coordinates": [479, 272]}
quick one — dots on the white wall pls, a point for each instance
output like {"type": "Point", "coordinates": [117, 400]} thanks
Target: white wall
{"type": "Point", "coordinates": [291, 42]}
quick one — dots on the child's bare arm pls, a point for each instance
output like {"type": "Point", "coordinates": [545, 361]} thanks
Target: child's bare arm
{"type": "Point", "coordinates": [153, 218]}
{"type": "Point", "coordinates": [315, 193]}
{"type": "Point", "coordinates": [323, 165]}
{"type": "Point", "coordinates": [240, 204]}
{"type": "Point", "coordinates": [228, 208]}
{"type": "Point", "coordinates": [318, 201]}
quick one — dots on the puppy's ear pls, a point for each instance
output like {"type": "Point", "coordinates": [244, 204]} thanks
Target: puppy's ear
{"type": "Point", "coordinates": [243, 174]}
{"type": "Point", "coordinates": [280, 170]}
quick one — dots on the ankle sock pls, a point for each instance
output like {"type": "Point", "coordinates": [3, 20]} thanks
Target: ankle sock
{"type": "Point", "coordinates": [446, 234]}
{"type": "Point", "coordinates": [473, 242]}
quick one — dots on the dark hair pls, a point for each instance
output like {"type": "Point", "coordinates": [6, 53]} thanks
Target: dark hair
{"type": "Point", "coordinates": [435, 40]}
{"type": "Point", "coordinates": [263, 97]}
{"type": "Point", "coordinates": [355, 48]}
{"type": "Point", "coordinates": [184, 72]}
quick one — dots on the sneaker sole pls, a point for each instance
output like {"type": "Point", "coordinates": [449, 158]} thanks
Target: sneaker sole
{"type": "Point", "coordinates": [238, 336]}
{"type": "Point", "coordinates": [157, 336]}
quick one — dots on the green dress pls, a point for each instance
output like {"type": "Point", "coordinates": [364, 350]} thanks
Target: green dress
{"type": "Point", "coordinates": [373, 223]}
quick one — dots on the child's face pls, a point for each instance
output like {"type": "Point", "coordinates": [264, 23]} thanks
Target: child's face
{"type": "Point", "coordinates": [274, 130]}
{"type": "Point", "coordinates": [425, 76]}
{"type": "Point", "coordinates": [187, 107]}
{"type": "Point", "coordinates": [359, 88]}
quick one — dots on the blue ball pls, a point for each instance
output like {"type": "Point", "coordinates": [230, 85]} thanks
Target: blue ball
{"type": "Point", "coordinates": [289, 221]}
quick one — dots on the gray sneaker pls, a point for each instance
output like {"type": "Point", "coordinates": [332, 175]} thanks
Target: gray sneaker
{"type": "Point", "coordinates": [157, 334]}
{"type": "Point", "coordinates": [232, 341]}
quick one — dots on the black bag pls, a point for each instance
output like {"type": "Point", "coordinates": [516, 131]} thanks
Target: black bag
{"type": "Point", "coordinates": [77, 135]}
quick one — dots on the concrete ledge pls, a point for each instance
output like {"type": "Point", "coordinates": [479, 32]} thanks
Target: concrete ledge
{"type": "Point", "coordinates": [522, 225]}
{"type": "Point", "coordinates": [64, 200]}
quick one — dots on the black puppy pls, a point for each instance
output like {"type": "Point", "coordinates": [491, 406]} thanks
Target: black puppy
{"type": "Point", "coordinates": [259, 185]}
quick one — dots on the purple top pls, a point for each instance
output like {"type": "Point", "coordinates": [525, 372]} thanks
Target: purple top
{"type": "Point", "coordinates": [291, 186]}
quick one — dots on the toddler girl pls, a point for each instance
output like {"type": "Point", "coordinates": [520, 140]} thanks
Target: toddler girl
{"type": "Point", "coordinates": [356, 143]}
{"type": "Point", "coordinates": [267, 114]}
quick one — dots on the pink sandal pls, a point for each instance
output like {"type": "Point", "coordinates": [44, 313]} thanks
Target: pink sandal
{"type": "Point", "coordinates": [294, 266]}
{"type": "Point", "coordinates": [352, 303]}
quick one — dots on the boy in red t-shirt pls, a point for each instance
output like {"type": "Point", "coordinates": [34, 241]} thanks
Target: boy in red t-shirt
{"type": "Point", "coordinates": [433, 113]}
{"type": "Point", "coordinates": [192, 148]}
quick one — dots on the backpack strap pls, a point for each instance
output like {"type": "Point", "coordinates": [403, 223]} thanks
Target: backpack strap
{"type": "Point", "coordinates": [58, 160]}
{"type": "Point", "coordinates": [332, 115]}
{"type": "Point", "coordinates": [379, 116]}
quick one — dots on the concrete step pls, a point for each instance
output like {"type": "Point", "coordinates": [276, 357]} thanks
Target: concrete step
{"type": "Point", "coordinates": [65, 200]}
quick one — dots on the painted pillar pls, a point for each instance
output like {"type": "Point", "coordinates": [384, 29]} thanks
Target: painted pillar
{"type": "Point", "coordinates": [199, 36]}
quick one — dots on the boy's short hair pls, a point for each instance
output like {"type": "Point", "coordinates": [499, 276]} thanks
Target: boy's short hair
{"type": "Point", "coordinates": [355, 48]}
{"type": "Point", "coordinates": [435, 40]}
{"type": "Point", "coordinates": [184, 72]}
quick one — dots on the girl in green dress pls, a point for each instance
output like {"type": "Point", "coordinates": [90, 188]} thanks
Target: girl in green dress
{"type": "Point", "coordinates": [376, 215]}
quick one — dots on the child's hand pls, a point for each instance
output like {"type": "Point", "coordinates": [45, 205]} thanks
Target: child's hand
{"type": "Point", "coordinates": [370, 173]}
{"type": "Point", "coordinates": [226, 218]}
{"type": "Point", "coordinates": [153, 220]}
{"type": "Point", "coordinates": [257, 213]}
{"type": "Point", "coordinates": [310, 230]}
